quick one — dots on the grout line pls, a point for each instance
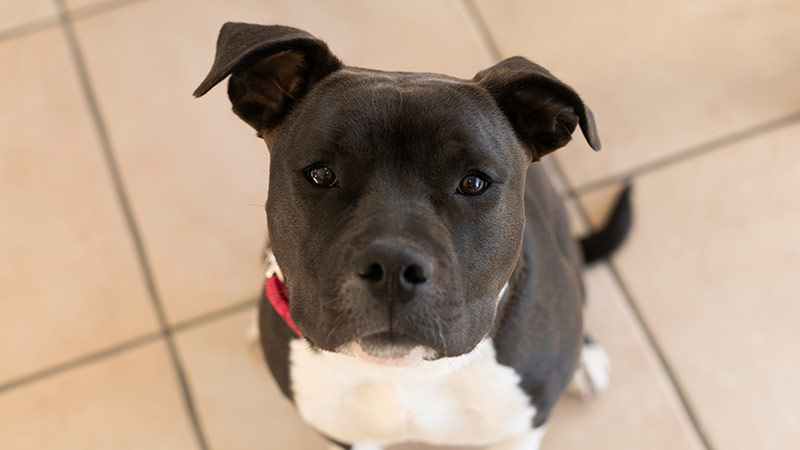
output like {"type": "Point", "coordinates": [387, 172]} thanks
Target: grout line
{"type": "Point", "coordinates": [483, 30]}
{"type": "Point", "coordinates": [206, 318]}
{"type": "Point", "coordinates": [81, 361]}
{"type": "Point", "coordinates": [167, 332]}
{"type": "Point", "coordinates": [125, 206]}
{"type": "Point", "coordinates": [491, 45]}
{"type": "Point", "coordinates": [695, 150]}
{"type": "Point", "coordinates": [648, 333]}
{"type": "Point", "coordinates": [186, 391]}
{"type": "Point", "coordinates": [185, 325]}
{"type": "Point", "coordinates": [651, 340]}
{"type": "Point", "coordinates": [29, 28]}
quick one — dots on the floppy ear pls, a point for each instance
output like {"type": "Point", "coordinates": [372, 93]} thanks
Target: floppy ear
{"type": "Point", "coordinates": [270, 66]}
{"type": "Point", "coordinates": [543, 110]}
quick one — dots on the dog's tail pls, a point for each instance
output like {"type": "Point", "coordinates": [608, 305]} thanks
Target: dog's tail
{"type": "Point", "coordinates": [602, 243]}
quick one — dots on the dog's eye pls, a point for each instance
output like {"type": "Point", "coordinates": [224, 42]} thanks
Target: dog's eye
{"type": "Point", "coordinates": [472, 185]}
{"type": "Point", "coordinates": [321, 176]}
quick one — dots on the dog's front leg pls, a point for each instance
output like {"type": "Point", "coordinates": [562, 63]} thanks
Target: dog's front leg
{"type": "Point", "coordinates": [529, 440]}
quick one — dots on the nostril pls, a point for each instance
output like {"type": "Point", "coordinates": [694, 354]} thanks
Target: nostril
{"type": "Point", "coordinates": [373, 272]}
{"type": "Point", "coordinates": [414, 274]}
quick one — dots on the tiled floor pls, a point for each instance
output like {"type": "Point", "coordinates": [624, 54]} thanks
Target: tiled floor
{"type": "Point", "coordinates": [131, 219]}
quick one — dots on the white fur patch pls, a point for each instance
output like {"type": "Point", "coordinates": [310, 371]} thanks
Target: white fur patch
{"type": "Point", "coordinates": [252, 334]}
{"type": "Point", "coordinates": [365, 447]}
{"type": "Point", "coordinates": [502, 294]}
{"type": "Point", "coordinates": [593, 373]}
{"type": "Point", "coordinates": [465, 400]}
{"type": "Point", "coordinates": [411, 359]}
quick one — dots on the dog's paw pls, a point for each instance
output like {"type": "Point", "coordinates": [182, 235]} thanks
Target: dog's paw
{"type": "Point", "coordinates": [366, 447]}
{"type": "Point", "coordinates": [593, 373]}
{"type": "Point", "coordinates": [252, 336]}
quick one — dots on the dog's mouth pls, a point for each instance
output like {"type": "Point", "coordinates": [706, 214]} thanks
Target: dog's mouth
{"type": "Point", "coordinates": [388, 345]}
{"type": "Point", "coordinates": [389, 349]}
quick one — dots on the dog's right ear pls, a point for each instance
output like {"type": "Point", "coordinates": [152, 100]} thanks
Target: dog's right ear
{"type": "Point", "coordinates": [271, 67]}
{"type": "Point", "coordinates": [542, 110]}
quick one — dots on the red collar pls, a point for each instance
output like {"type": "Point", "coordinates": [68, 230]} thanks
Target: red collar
{"type": "Point", "coordinates": [276, 294]}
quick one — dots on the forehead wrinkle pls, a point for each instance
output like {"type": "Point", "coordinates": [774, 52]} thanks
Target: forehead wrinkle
{"type": "Point", "coordinates": [424, 127]}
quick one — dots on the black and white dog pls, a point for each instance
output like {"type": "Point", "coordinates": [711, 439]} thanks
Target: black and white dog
{"type": "Point", "coordinates": [429, 288]}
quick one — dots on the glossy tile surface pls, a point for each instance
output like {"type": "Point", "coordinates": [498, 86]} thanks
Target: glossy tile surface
{"type": "Point", "coordinates": [14, 13]}
{"type": "Point", "coordinates": [660, 77]}
{"type": "Point", "coordinates": [74, 5]}
{"type": "Point", "coordinates": [712, 262]}
{"type": "Point", "coordinates": [231, 381]}
{"type": "Point", "coordinates": [645, 408]}
{"type": "Point", "coordinates": [70, 283]}
{"type": "Point", "coordinates": [127, 401]}
{"type": "Point", "coordinates": [701, 326]}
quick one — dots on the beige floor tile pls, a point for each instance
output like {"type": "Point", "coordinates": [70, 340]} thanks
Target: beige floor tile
{"type": "Point", "coordinates": [196, 174]}
{"type": "Point", "coordinates": [640, 410]}
{"type": "Point", "coordinates": [230, 381]}
{"type": "Point", "coordinates": [19, 12]}
{"type": "Point", "coordinates": [712, 263]}
{"type": "Point", "coordinates": [576, 222]}
{"type": "Point", "coordinates": [79, 8]}
{"type": "Point", "coordinates": [73, 5]}
{"type": "Point", "coordinates": [128, 401]}
{"type": "Point", "coordinates": [237, 400]}
{"type": "Point", "coordinates": [552, 170]}
{"type": "Point", "coordinates": [70, 282]}
{"type": "Point", "coordinates": [660, 76]}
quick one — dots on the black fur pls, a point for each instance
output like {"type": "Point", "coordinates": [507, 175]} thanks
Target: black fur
{"type": "Point", "coordinates": [399, 144]}
{"type": "Point", "coordinates": [543, 110]}
{"type": "Point", "coordinates": [601, 244]}
{"type": "Point", "coordinates": [275, 335]}
{"type": "Point", "coordinates": [270, 67]}
{"type": "Point", "coordinates": [539, 327]}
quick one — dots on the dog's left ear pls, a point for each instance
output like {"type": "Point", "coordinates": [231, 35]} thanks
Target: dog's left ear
{"type": "Point", "coordinates": [271, 67]}
{"type": "Point", "coordinates": [543, 110]}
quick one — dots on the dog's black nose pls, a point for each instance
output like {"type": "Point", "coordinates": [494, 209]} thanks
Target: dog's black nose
{"type": "Point", "coordinates": [393, 270]}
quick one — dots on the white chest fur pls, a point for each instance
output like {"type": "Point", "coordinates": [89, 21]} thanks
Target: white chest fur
{"type": "Point", "coordinates": [467, 400]}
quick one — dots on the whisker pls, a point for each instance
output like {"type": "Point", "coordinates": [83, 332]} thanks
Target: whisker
{"type": "Point", "coordinates": [332, 330]}
{"type": "Point", "coordinates": [444, 342]}
{"type": "Point", "coordinates": [547, 214]}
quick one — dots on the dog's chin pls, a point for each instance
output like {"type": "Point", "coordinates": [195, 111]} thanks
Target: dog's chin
{"type": "Point", "coordinates": [388, 349]}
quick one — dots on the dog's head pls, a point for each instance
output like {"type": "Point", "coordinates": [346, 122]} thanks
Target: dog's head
{"type": "Point", "coordinates": [395, 204]}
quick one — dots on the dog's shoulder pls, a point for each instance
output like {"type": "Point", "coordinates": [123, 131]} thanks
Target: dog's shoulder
{"type": "Point", "coordinates": [538, 328]}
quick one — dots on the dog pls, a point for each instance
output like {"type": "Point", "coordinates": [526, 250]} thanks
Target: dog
{"type": "Point", "coordinates": [423, 284]}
